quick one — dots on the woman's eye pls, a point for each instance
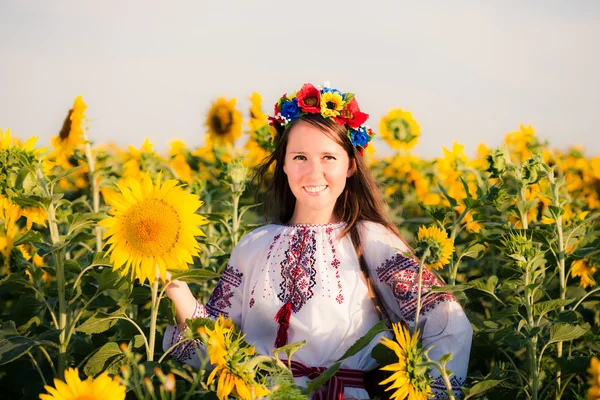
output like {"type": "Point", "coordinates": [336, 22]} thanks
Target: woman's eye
{"type": "Point", "coordinates": [329, 157]}
{"type": "Point", "coordinates": [299, 158]}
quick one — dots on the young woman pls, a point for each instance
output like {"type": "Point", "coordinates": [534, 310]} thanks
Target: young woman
{"type": "Point", "coordinates": [331, 255]}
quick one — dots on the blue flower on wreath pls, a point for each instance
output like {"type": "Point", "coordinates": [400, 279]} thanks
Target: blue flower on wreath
{"type": "Point", "coordinates": [290, 109]}
{"type": "Point", "coordinates": [359, 137]}
{"type": "Point", "coordinates": [332, 90]}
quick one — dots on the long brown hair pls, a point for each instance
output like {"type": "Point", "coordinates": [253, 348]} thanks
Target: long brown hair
{"type": "Point", "coordinates": [359, 201]}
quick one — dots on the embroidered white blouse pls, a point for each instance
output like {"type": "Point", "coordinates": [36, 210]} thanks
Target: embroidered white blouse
{"type": "Point", "coordinates": [320, 275]}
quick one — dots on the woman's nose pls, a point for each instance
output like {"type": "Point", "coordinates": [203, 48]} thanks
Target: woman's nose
{"type": "Point", "coordinates": [315, 169]}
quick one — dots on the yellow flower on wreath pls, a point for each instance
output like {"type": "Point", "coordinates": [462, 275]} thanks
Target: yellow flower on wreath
{"type": "Point", "coordinates": [399, 129]}
{"type": "Point", "coordinates": [152, 224]}
{"type": "Point", "coordinates": [73, 388]}
{"type": "Point", "coordinates": [332, 103]}
{"type": "Point", "coordinates": [71, 133]}
{"type": "Point", "coordinates": [410, 378]}
{"type": "Point", "coordinates": [224, 122]}
{"type": "Point", "coordinates": [440, 246]}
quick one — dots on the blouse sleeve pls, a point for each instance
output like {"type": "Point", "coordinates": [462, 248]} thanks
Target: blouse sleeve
{"type": "Point", "coordinates": [442, 320]}
{"type": "Point", "coordinates": [226, 300]}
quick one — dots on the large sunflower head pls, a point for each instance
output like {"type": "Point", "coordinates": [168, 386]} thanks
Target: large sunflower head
{"type": "Point", "coordinates": [73, 388]}
{"type": "Point", "coordinates": [71, 133]}
{"type": "Point", "coordinates": [224, 122]}
{"type": "Point", "coordinates": [399, 129]}
{"type": "Point", "coordinates": [152, 224]}
{"type": "Point", "coordinates": [410, 378]}
{"type": "Point", "coordinates": [439, 244]}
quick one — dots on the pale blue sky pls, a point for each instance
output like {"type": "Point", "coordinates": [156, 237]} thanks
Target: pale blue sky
{"type": "Point", "coordinates": [469, 71]}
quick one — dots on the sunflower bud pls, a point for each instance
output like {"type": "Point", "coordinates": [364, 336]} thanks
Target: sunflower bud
{"type": "Point", "coordinates": [533, 170]}
{"type": "Point", "coordinates": [520, 249]}
{"type": "Point", "coordinates": [237, 174]}
{"type": "Point", "coordinates": [498, 163]}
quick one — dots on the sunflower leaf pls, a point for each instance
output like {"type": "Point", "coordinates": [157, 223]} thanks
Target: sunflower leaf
{"type": "Point", "coordinates": [194, 275]}
{"type": "Point", "coordinates": [565, 332]}
{"type": "Point", "coordinates": [317, 383]}
{"type": "Point", "coordinates": [29, 237]}
{"type": "Point", "coordinates": [451, 200]}
{"type": "Point", "coordinates": [108, 358]}
{"type": "Point", "coordinates": [544, 307]}
{"type": "Point", "coordinates": [365, 340]}
{"type": "Point", "coordinates": [480, 388]}
{"type": "Point", "coordinates": [98, 323]}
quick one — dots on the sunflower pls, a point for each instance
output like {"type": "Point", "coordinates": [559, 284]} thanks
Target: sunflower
{"type": "Point", "coordinates": [332, 104]}
{"type": "Point", "coordinates": [234, 367]}
{"type": "Point", "coordinates": [399, 129]}
{"type": "Point", "coordinates": [257, 116]}
{"type": "Point", "coordinates": [73, 388]}
{"type": "Point", "coordinates": [584, 271]}
{"type": "Point", "coordinates": [224, 122]}
{"type": "Point", "coordinates": [594, 380]}
{"type": "Point", "coordinates": [71, 133]}
{"type": "Point", "coordinates": [152, 225]}
{"type": "Point", "coordinates": [410, 378]}
{"type": "Point", "coordinates": [440, 246]}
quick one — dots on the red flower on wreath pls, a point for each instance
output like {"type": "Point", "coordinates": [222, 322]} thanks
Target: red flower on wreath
{"type": "Point", "coordinates": [309, 99]}
{"type": "Point", "coordinates": [355, 117]}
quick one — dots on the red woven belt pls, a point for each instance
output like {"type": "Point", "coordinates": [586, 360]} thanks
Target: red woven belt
{"type": "Point", "coordinates": [343, 378]}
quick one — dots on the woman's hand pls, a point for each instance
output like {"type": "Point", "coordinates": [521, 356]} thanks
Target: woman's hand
{"type": "Point", "coordinates": [159, 277]}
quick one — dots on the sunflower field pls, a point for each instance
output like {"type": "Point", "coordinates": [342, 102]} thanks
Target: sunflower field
{"type": "Point", "coordinates": [513, 232]}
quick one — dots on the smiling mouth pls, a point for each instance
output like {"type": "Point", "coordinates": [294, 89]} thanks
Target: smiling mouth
{"type": "Point", "coordinates": [315, 189]}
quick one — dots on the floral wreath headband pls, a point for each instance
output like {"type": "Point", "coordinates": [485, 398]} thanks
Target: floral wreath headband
{"type": "Point", "coordinates": [329, 103]}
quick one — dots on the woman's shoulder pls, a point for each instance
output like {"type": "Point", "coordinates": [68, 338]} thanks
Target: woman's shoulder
{"type": "Point", "coordinates": [370, 228]}
{"type": "Point", "coordinates": [260, 235]}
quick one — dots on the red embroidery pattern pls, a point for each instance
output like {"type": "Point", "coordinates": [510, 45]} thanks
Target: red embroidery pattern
{"type": "Point", "coordinates": [335, 264]}
{"type": "Point", "coordinates": [401, 274]}
{"type": "Point", "coordinates": [220, 300]}
{"type": "Point", "coordinates": [185, 351]}
{"type": "Point", "coordinates": [297, 269]}
{"type": "Point", "coordinates": [275, 239]}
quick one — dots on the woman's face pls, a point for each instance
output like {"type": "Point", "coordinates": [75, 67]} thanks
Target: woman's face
{"type": "Point", "coordinates": [316, 168]}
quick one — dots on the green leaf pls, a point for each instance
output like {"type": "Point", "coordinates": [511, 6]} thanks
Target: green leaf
{"type": "Point", "coordinates": [451, 200]}
{"type": "Point", "coordinates": [480, 388]}
{"type": "Point", "coordinates": [435, 212]}
{"type": "Point", "coordinates": [472, 203]}
{"type": "Point", "coordinates": [473, 251]}
{"type": "Point", "coordinates": [108, 279]}
{"type": "Point", "coordinates": [565, 332]}
{"type": "Point", "coordinates": [317, 383]}
{"type": "Point", "coordinates": [81, 220]}
{"type": "Point", "coordinates": [98, 323]}
{"type": "Point", "coordinates": [194, 275]}
{"type": "Point", "coordinates": [108, 358]}
{"type": "Point", "coordinates": [64, 174]}
{"type": "Point", "coordinates": [365, 340]}
{"type": "Point", "coordinates": [29, 237]}
{"type": "Point", "coordinates": [544, 307]}
{"type": "Point", "coordinates": [360, 344]}
{"type": "Point", "coordinates": [72, 266]}
{"type": "Point", "coordinates": [15, 282]}
{"type": "Point", "coordinates": [13, 345]}
{"type": "Point", "coordinates": [449, 288]}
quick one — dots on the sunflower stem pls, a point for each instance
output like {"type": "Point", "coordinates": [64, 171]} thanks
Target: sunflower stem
{"type": "Point", "coordinates": [532, 342]}
{"type": "Point", "coordinates": [453, 234]}
{"type": "Point", "coordinates": [95, 190]}
{"type": "Point", "coordinates": [561, 264]}
{"type": "Point", "coordinates": [153, 316]}
{"type": "Point", "coordinates": [235, 221]}
{"type": "Point", "coordinates": [420, 283]}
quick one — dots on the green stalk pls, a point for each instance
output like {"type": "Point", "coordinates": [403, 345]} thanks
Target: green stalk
{"type": "Point", "coordinates": [453, 234]}
{"type": "Point", "coordinates": [522, 197]}
{"type": "Point", "coordinates": [60, 282]}
{"type": "Point", "coordinates": [561, 266]}
{"type": "Point", "coordinates": [532, 342]}
{"type": "Point", "coordinates": [95, 190]}
{"type": "Point", "coordinates": [420, 282]}
{"type": "Point", "coordinates": [153, 316]}
{"type": "Point", "coordinates": [235, 218]}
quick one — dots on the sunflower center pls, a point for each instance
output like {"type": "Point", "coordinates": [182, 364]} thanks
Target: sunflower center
{"type": "Point", "coordinates": [66, 128]}
{"type": "Point", "coordinates": [152, 227]}
{"type": "Point", "coordinates": [221, 121]}
{"type": "Point", "coordinates": [401, 130]}
{"type": "Point", "coordinates": [331, 105]}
